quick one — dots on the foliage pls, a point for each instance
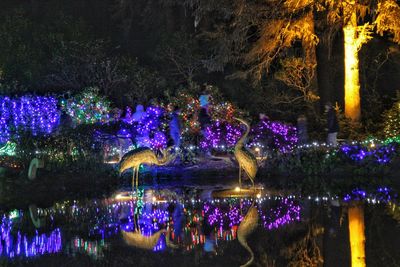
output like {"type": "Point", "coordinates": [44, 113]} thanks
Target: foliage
{"type": "Point", "coordinates": [393, 209]}
{"type": "Point", "coordinates": [308, 161]}
{"type": "Point", "coordinates": [150, 130]}
{"type": "Point", "coordinates": [83, 64]}
{"type": "Point", "coordinates": [257, 33]}
{"type": "Point", "coordinates": [141, 84]}
{"type": "Point", "coordinates": [182, 57]}
{"type": "Point", "coordinates": [190, 108]}
{"type": "Point", "coordinates": [387, 21]}
{"type": "Point", "coordinates": [71, 149]}
{"type": "Point", "coordinates": [391, 121]}
{"type": "Point", "coordinates": [274, 135]}
{"type": "Point", "coordinates": [87, 107]}
{"type": "Point", "coordinates": [223, 130]}
{"type": "Point", "coordinates": [27, 45]}
{"type": "Point", "coordinates": [305, 251]}
{"type": "Point", "coordinates": [221, 135]}
{"type": "Point", "coordinates": [298, 74]}
{"type": "Point", "coordinates": [311, 166]}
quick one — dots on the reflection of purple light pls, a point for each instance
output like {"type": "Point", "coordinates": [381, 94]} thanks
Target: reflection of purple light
{"type": "Point", "coordinates": [28, 247]}
{"type": "Point", "coordinates": [284, 214]}
{"type": "Point", "coordinates": [356, 194]}
{"type": "Point", "coordinates": [287, 212]}
{"type": "Point", "coordinates": [108, 220]}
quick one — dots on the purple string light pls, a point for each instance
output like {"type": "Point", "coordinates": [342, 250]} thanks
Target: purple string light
{"type": "Point", "coordinates": [35, 114]}
{"type": "Point", "coordinates": [220, 135]}
{"type": "Point", "coordinates": [277, 135]}
{"type": "Point", "coordinates": [381, 154]}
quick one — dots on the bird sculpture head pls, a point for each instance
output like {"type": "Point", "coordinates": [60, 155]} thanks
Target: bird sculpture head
{"type": "Point", "coordinates": [167, 156]}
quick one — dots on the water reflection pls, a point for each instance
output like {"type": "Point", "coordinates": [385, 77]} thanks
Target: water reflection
{"type": "Point", "coordinates": [76, 227]}
{"type": "Point", "coordinates": [19, 244]}
{"type": "Point", "coordinates": [92, 248]}
{"type": "Point", "coordinates": [177, 218]}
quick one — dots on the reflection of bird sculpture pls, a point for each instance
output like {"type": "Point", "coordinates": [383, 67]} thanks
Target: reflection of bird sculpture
{"type": "Point", "coordinates": [246, 159]}
{"type": "Point", "coordinates": [143, 155]}
{"type": "Point", "coordinates": [133, 159]}
{"type": "Point", "coordinates": [246, 227]}
{"type": "Point", "coordinates": [138, 240]}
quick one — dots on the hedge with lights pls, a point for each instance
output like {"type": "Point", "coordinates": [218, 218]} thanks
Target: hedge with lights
{"type": "Point", "coordinates": [87, 107]}
{"type": "Point", "coordinates": [392, 121]}
{"type": "Point", "coordinates": [38, 115]}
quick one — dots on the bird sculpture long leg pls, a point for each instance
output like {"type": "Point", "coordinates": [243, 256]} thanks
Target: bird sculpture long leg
{"type": "Point", "coordinates": [133, 180]}
{"type": "Point", "coordinates": [240, 176]}
{"type": "Point", "coordinates": [137, 177]}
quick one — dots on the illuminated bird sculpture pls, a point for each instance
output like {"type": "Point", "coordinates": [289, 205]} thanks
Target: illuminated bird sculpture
{"type": "Point", "coordinates": [143, 155]}
{"type": "Point", "coordinates": [247, 161]}
{"type": "Point", "coordinates": [138, 240]}
{"type": "Point", "coordinates": [246, 227]}
{"type": "Point", "coordinates": [133, 159]}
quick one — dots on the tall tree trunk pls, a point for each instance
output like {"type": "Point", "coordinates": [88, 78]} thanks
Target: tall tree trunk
{"type": "Point", "coordinates": [310, 51]}
{"type": "Point", "coordinates": [352, 106]}
{"type": "Point", "coordinates": [357, 234]}
{"type": "Point", "coordinates": [324, 71]}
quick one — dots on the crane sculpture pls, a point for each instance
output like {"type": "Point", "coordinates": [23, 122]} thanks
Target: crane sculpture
{"type": "Point", "coordinates": [143, 155]}
{"type": "Point", "coordinates": [247, 161]}
{"type": "Point", "coordinates": [138, 240]}
{"type": "Point", "coordinates": [246, 227]}
{"type": "Point", "coordinates": [133, 159]}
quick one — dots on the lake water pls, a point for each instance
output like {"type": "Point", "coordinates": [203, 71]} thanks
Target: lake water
{"type": "Point", "coordinates": [200, 231]}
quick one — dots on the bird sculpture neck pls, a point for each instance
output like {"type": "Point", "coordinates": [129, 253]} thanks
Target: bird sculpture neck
{"type": "Point", "coordinates": [242, 140]}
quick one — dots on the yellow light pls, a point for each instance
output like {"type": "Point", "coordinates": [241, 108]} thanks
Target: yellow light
{"type": "Point", "coordinates": [123, 196]}
{"type": "Point", "coordinates": [372, 145]}
{"type": "Point", "coordinates": [258, 195]}
{"type": "Point", "coordinates": [237, 188]}
{"type": "Point", "coordinates": [357, 235]}
{"type": "Point", "coordinates": [351, 66]}
{"type": "Point", "coordinates": [257, 149]}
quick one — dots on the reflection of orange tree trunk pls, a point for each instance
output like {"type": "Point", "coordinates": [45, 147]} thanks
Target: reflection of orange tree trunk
{"type": "Point", "coordinates": [357, 234]}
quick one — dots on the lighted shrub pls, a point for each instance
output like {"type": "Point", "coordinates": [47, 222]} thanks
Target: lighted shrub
{"type": "Point", "coordinates": [34, 114]}
{"type": "Point", "coordinates": [392, 121]}
{"type": "Point", "coordinates": [87, 107]}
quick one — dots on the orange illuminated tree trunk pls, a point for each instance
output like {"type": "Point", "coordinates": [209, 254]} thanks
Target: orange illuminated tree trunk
{"type": "Point", "coordinates": [352, 107]}
{"type": "Point", "coordinates": [357, 234]}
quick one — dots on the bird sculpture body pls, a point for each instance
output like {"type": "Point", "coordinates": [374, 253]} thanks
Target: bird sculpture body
{"type": "Point", "coordinates": [246, 227]}
{"type": "Point", "coordinates": [247, 161]}
{"type": "Point", "coordinates": [143, 155]}
{"type": "Point", "coordinates": [138, 240]}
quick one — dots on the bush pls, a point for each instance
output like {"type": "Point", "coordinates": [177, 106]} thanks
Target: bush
{"type": "Point", "coordinates": [391, 121]}
{"type": "Point", "coordinates": [87, 107]}
{"type": "Point", "coordinates": [71, 149]}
